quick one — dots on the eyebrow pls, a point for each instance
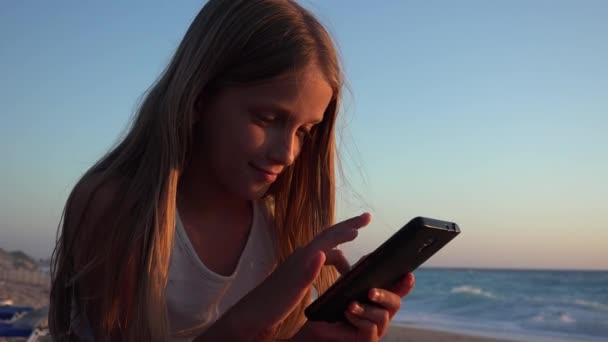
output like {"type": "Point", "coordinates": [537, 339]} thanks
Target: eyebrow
{"type": "Point", "coordinates": [281, 111]}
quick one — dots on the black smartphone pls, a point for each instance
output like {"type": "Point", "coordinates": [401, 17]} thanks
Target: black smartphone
{"type": "Point", "coordinates": [403, 252]}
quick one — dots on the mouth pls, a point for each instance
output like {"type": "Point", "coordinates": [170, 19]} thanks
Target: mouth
{"type": "Point", "coordinates": [266, 175]}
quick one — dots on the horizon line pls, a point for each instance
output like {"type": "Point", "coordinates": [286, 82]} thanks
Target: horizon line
{"type": "Point", "coordinates": [498, 268]}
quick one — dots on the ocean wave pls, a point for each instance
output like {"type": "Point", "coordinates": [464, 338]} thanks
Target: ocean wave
{"type": "Point", "coordinates": [473, 291]}
{"type": "Point", "coordinates": [587, 304]}
{"type": "Point", "coordinates": [561, 317]}
{"type": "Point", "coordinates": [590, 304]}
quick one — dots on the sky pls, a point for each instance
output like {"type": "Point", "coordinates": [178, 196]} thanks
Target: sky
{"type": "Point", "coordinates": [491, 114]}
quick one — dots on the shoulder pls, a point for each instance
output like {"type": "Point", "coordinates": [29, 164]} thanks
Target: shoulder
{"type": "Point", "coordinates": [91, 203]}
{"type": "Point", "coordinates": [98, 190]}
{"type": "Point", "coordinates": [95, 194]}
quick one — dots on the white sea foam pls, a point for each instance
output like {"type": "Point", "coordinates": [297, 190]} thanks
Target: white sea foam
{"type": "Point", "coordinates": [565, 318]}
{"type": "Point", "coordinates": [553, 318]}
{"type": "Point", "coordinates": [473, 291]}
{"type": "Point", "coordinates": [538, 318]}
{"type": "Point", "coordinates": [589, 304]}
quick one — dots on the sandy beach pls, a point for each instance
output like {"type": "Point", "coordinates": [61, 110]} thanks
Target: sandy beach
{"type": "Point", "coordinates": [410, 334]}
{"type": "Point", "coordinates": [24, 294]}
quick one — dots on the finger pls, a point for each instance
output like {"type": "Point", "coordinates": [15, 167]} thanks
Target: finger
{"type": "Point", "coordinates": [336, 258]}
{"type": "Point", "coordinates": [339, 233]}
{"type": "Point", "coordinates": [404, 285]}
{"type": "Point", "coordinates": [366, 330]}
{"type": "Point", "coordinates": [377, 315]}
{"type": "Point", "coordinates": [385, 299]}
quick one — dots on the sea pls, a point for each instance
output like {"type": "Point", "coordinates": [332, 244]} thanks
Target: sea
{"type": "Point", "coordinates": [523, 305]}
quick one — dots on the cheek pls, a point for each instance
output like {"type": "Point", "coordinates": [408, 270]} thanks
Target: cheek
{"type": "Point", "coordinates": [242, 145]}
{"type": "Point", "coordinates": [252, 137]}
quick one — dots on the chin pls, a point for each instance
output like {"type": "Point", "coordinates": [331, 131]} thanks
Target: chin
{"type": "Point", "coordinates": [254, 192]}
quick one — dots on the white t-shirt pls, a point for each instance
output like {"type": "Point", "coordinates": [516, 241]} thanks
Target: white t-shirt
{"type": "Point", "coordinates": [197, 296]}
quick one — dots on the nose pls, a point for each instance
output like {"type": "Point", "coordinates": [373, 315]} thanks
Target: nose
{"type": "Point", "coordinates": [284, 149]}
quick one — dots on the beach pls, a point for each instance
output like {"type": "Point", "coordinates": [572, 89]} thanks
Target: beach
{"type": "Point", "coordinates": [21, 294]}
{"type": "Point", "coordinates": [398, 333]}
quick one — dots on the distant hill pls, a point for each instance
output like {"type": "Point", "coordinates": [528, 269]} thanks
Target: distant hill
{"type": "Point", "coordinates": [17, 260]}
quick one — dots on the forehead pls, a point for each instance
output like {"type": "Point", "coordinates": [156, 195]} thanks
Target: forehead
{"type": "Point", "coordinates": [304, 94]}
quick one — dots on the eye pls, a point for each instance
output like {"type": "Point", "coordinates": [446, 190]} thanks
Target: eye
{"type": "Point", "coordinates": [263, 118]}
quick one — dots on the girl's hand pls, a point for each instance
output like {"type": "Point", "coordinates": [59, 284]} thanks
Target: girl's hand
{"type": "Point", "coordinates": [255, 316]}
{"type": "Point", "coordinates": [366, 322]}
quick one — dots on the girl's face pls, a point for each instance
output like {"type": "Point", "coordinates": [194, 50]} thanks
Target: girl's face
{"type": "Point", "coordinates": [248, 135]}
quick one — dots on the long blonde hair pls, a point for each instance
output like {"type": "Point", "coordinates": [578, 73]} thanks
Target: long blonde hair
{"type": "Point", "coordinates": [230, 42]}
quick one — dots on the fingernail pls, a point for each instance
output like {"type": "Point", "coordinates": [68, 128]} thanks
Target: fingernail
{"type": "Point", "coordinates": [374, 295]}
{"type": "Point", "coordinates": [356, 308]}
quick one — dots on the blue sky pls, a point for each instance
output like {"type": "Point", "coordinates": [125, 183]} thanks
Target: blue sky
{"type": "Point", "coordinates": [491, 114]}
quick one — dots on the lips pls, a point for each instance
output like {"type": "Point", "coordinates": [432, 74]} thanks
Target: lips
{"type": "Point", "coordinates": [264, 174]}
{"type": "Point", "coordinates": [265, 170]}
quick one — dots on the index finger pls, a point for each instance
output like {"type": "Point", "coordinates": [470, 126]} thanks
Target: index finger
{"type": "Point", "coordinates": [339, 233]}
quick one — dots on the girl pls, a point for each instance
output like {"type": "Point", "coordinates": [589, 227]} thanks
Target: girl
{"type": "Point", "coordinates": [212, 218]}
